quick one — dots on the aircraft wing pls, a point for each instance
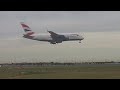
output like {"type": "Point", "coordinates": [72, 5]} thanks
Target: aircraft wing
{"type": "Point", "coordinates": [53, 33]}
{"type": "Point", "coordinates": [56, 37]}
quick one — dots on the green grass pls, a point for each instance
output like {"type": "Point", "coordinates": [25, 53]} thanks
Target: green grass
{"type": "Point", "coordinates": [62, 72]}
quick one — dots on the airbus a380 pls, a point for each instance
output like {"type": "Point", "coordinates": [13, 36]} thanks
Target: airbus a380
{"type": "Point", "coordinates": [52, 37]}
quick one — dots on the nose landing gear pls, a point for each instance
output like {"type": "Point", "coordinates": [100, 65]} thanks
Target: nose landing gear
{"type": "Point", "coordinates": [79, 41]}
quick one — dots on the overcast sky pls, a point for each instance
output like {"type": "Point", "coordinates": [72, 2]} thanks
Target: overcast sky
{"type": "Point", "coordinates": [101, 30]}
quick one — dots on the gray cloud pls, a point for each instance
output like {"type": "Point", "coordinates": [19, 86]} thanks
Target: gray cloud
{"type": "Point", "coordinates": [59, 21]}
{"type": "Point", "coordinates": [99, 28]}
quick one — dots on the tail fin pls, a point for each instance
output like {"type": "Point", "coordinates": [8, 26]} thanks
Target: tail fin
{"type": "Point", "coordinates": [27, 29]}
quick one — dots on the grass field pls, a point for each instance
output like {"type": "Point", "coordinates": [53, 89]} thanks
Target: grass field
{"type": "Point", "coordinates": [61, 72]}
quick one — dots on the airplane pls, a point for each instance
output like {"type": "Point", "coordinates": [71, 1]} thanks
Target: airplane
{"type": "Point", "coordinates": [52, 37]}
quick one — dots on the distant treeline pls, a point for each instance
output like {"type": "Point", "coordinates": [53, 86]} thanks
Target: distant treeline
{"type": "Point", "coordinates": [57, 63]}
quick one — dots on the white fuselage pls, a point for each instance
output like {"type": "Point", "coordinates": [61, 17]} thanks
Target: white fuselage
{"type": "Point", "coordinates": [65, 37]}
{"type": "Point", "coordinates": [42, 37]}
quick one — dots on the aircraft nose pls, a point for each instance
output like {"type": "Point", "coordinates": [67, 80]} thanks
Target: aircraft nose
{"type": "Point", "coordinates": [82, 38]}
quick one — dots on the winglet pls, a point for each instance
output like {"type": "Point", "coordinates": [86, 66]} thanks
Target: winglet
{"type": "Point", "coordinates": [52, 33]}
